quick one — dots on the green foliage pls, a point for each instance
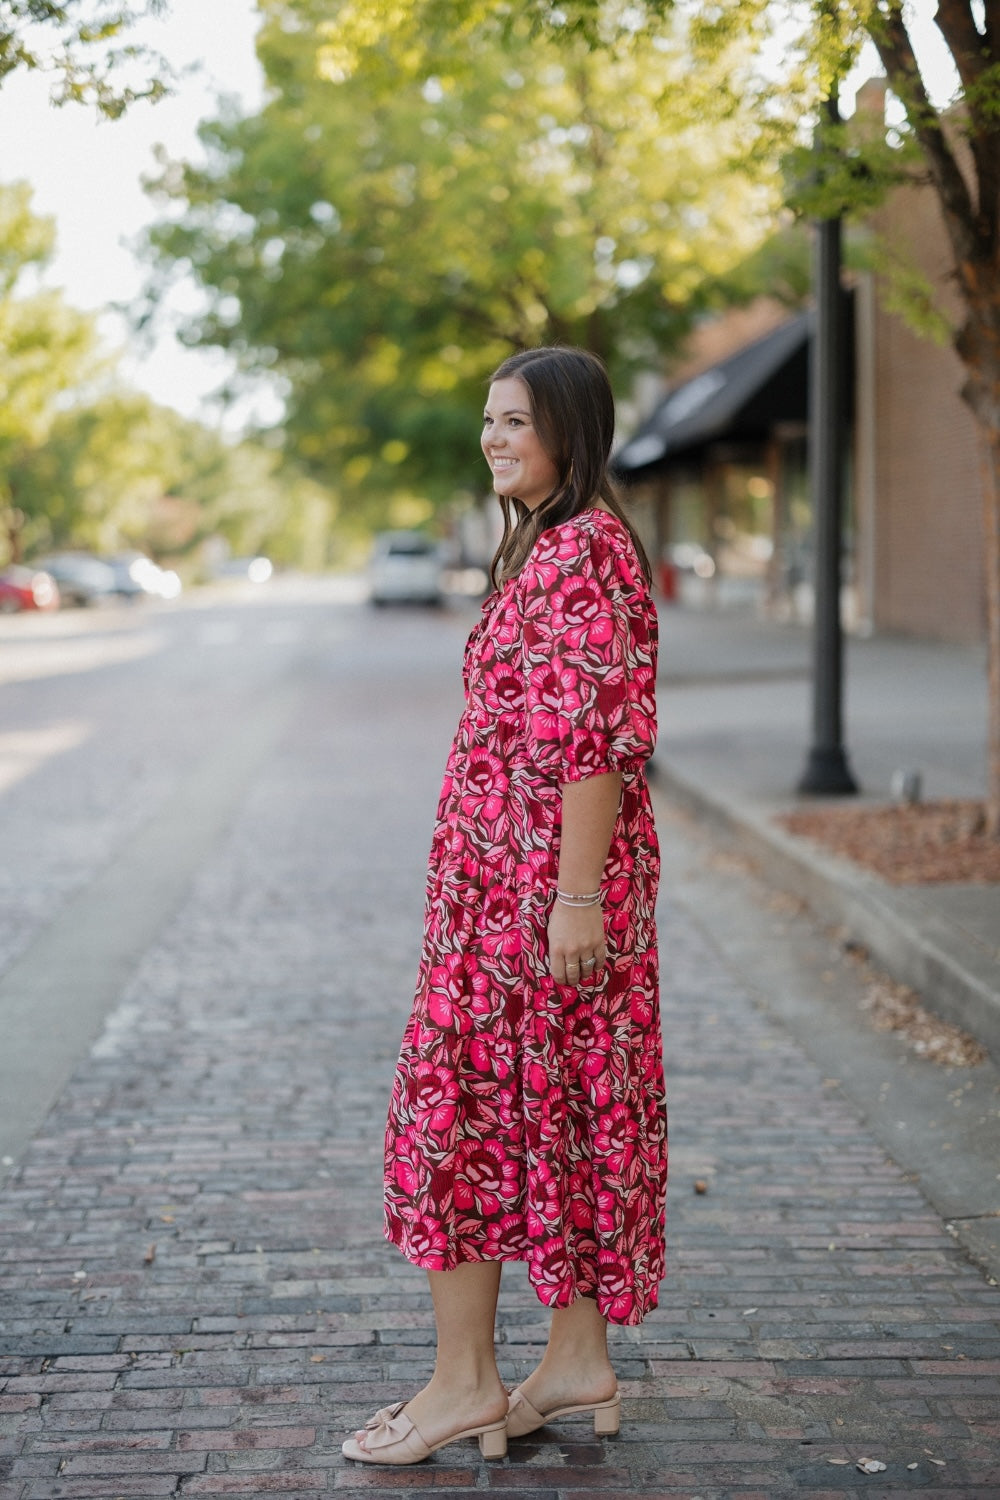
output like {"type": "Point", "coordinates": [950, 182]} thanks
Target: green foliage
{"type": "Point", "coordinates": [906, 289]}
{"type": "Point", "coordinates": [432, 185]}
{"type": "Point", "coordinates": [781, 267]}
{"type": "Point", "coordinates": [78, 43]}
{"type": "Point", "coordinates": [86, 463]}
{"type": "Point", "coordinates": [119, 472]}
{"type": "Point", "coordinates": [845, 172]}
{"type": "Point", "coordinates": [46, 347]}
{"type": "Point", "coordinates": [25, 238]}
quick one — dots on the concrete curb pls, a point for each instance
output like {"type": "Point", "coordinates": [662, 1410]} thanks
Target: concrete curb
{"type": "Point", "coordinates": [916, 946]}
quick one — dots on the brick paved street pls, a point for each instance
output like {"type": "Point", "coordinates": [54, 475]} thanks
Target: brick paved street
{"type": "Point", "coordinates": [196, 1298]}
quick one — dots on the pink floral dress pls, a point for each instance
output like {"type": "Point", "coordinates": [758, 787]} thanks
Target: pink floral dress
{"type": "Point", "coordinates": [527, 1119]}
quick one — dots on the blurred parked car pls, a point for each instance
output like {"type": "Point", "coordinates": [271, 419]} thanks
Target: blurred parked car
{"type": "Point", "coordinates": [27, 588]}
{"type": "Point", "coordinates": [138, 577]}
{"type": "Point", "coordinates": [82, 579]}
{"type": "Point", "coordinates": [405, 568]}
{"type": "Point", "coordinates": [253, 569]}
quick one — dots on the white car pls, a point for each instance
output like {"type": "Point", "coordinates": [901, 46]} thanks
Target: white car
{"type": "Point", "coordinates": [405, 569]}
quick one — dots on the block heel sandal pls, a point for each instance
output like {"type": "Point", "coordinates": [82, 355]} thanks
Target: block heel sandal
{"type": "Point", "coordinates": [523, 1418]}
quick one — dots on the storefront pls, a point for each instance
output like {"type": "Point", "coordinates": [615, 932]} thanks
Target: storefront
{"type": "Point", "coordinates": [721, 464]}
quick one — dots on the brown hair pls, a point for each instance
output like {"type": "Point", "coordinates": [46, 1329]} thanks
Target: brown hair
{"type": "Point", "coordinates": [573, 412]}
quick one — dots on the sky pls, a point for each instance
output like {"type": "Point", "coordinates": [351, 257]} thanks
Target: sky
{"type": "Point", "coordinates": [87, 173]}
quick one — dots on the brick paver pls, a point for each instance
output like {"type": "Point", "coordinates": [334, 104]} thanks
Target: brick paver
{"type": "Point", "coordinates": [196, 1297]}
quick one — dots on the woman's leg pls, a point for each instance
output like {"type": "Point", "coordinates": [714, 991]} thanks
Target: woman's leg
{"type": "Point", "coordinates": [575, 1366]}
{"type": "Point", "coordinates": [465, 1389]}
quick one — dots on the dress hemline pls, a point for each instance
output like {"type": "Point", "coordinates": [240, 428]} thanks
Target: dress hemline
{"type": "Point", "coordinates": [423, 1263]}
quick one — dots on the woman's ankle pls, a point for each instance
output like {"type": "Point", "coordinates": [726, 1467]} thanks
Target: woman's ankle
{"type": "Point", "coordinates": [459, 1385]}
{"type": "Point", "coordinates": [555, 1381]}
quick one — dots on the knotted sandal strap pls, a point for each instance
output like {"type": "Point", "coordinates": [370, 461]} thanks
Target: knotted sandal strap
{"type": "Point", "coordinates": [391, 1428]}
{"type": "Point", "coordinates": [383, 1415]}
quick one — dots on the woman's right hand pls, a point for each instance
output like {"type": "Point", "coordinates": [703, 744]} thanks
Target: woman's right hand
{"type": "Point", "coordinates": [577, 950]}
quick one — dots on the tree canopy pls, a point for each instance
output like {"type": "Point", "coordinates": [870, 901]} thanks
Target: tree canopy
{"type": "Point", "coordinates": [82, 45]}
{"type": "Point", "coordinates": [397, 219]}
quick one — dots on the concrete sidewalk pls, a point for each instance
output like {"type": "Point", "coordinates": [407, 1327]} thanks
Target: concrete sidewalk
{"type": "Point", "coordinates": [735, 711]}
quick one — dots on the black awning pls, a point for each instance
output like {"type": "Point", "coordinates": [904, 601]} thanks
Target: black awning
{"type": "Point", "coordinates": [739, 398]}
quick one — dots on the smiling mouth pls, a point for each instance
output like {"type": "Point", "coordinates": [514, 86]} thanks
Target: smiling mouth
{"type": "Point", "coordinates": [502, 463]}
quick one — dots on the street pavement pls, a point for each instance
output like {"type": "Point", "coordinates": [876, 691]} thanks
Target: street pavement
{"type": "Point", "coordinates": [196, 1297]}
{"type": "Point", "coordinates": [735, 697]}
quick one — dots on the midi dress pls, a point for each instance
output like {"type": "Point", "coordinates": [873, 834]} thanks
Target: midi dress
{"type": "Point", "coordinates": [527, 1119]}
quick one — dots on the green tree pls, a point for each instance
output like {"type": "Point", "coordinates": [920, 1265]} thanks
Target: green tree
{"type": "Point", "coordinates": [396, 220]}
{"type": "Point", "coordinates": [46, 349]}
{"type": "Point", "coordinates": [80, 44]}
{"type": "Point", "coordinates": [117, 472]}
{"type": "Point", "coordinates": [86, 462]}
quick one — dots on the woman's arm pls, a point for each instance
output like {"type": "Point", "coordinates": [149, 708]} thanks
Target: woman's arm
{"type": "Point", "coordinates": [589, 812]}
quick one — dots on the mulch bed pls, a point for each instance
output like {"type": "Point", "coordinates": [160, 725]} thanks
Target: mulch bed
{"type": "Point", "coordinates": [907, 843]}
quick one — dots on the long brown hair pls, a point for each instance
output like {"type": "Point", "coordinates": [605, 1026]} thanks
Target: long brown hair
{"type": "Point", "coordinates": [573, 412]}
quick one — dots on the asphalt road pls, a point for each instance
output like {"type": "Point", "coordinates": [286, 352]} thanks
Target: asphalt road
{"type": "Point", "coordinates": [128, 738]}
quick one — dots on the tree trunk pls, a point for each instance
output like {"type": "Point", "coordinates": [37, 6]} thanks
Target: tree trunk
{"type": "Point", "coordinates": [991, 539]}
{"type": "Point", "coordinates": [13, 525]}
{"type": "Point", "coordinates": [978, 346]}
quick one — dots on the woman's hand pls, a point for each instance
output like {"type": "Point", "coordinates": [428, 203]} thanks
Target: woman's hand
{"type": "Point", "coordinates": [576, 943]}
{"type": "Point", "coordinates": [576, 933]}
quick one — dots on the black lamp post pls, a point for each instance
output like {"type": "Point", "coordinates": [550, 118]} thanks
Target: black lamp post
{"type": "Point", "coordinates": [827, 771]}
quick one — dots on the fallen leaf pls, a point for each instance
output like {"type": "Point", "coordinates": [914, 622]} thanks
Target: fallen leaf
{"type": "Point", "coordinates": [913, 1466]}
{"type": "Point", "coordinates": [316, 1359]}
{"type": "Point", "coordinates": [870, 1465]}
{"type": "Point", "coordinates": [748, 1310]}
{"type": "Point", "coordinates": [939, 1461]}
{"type": "Point", "coordinates": [166, 1218]}
{"type": "Point", "coordinates": [946, 840]}
{"type": "Point", "coordinates": [839, 1461]}
{"type": "Point", "coordinates": [149, 1256]}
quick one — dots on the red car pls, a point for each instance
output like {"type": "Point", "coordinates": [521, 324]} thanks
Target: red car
{"type": "Point", "coordinates": [27, 588]}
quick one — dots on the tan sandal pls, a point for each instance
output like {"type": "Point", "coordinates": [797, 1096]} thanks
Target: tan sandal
{"type": "Point", "coordinates": [391, 1438]}
{"type": "Point", "coordinates": [523, 1418]}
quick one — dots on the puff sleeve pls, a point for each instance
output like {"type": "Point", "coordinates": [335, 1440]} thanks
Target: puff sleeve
{"type": "Point", "coordinates": [589, 656]}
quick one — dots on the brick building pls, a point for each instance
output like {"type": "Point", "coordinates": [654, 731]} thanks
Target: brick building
{"type": "Point", "coordinates": [917, 481]}
{"type": "Point", "coordinates": [719, 467]}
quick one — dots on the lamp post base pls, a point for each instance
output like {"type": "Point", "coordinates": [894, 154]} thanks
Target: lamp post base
{"type": "Point", "coordinates": [827, 773]}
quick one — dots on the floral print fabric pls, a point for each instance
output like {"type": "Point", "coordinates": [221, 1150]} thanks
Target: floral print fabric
{"type": "Point", "coordinates": [527, 1119]}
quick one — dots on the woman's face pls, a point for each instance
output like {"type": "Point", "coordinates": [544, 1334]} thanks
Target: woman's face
{"type": "Point", "coordinates": [520, 465]}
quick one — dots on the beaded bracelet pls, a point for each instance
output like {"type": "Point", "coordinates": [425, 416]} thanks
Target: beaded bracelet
{"type": "Point", "coordinates": [568, 898]}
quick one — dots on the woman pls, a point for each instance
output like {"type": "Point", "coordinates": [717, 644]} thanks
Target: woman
{"type": "Point", "coordinates": [527, 1119]}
